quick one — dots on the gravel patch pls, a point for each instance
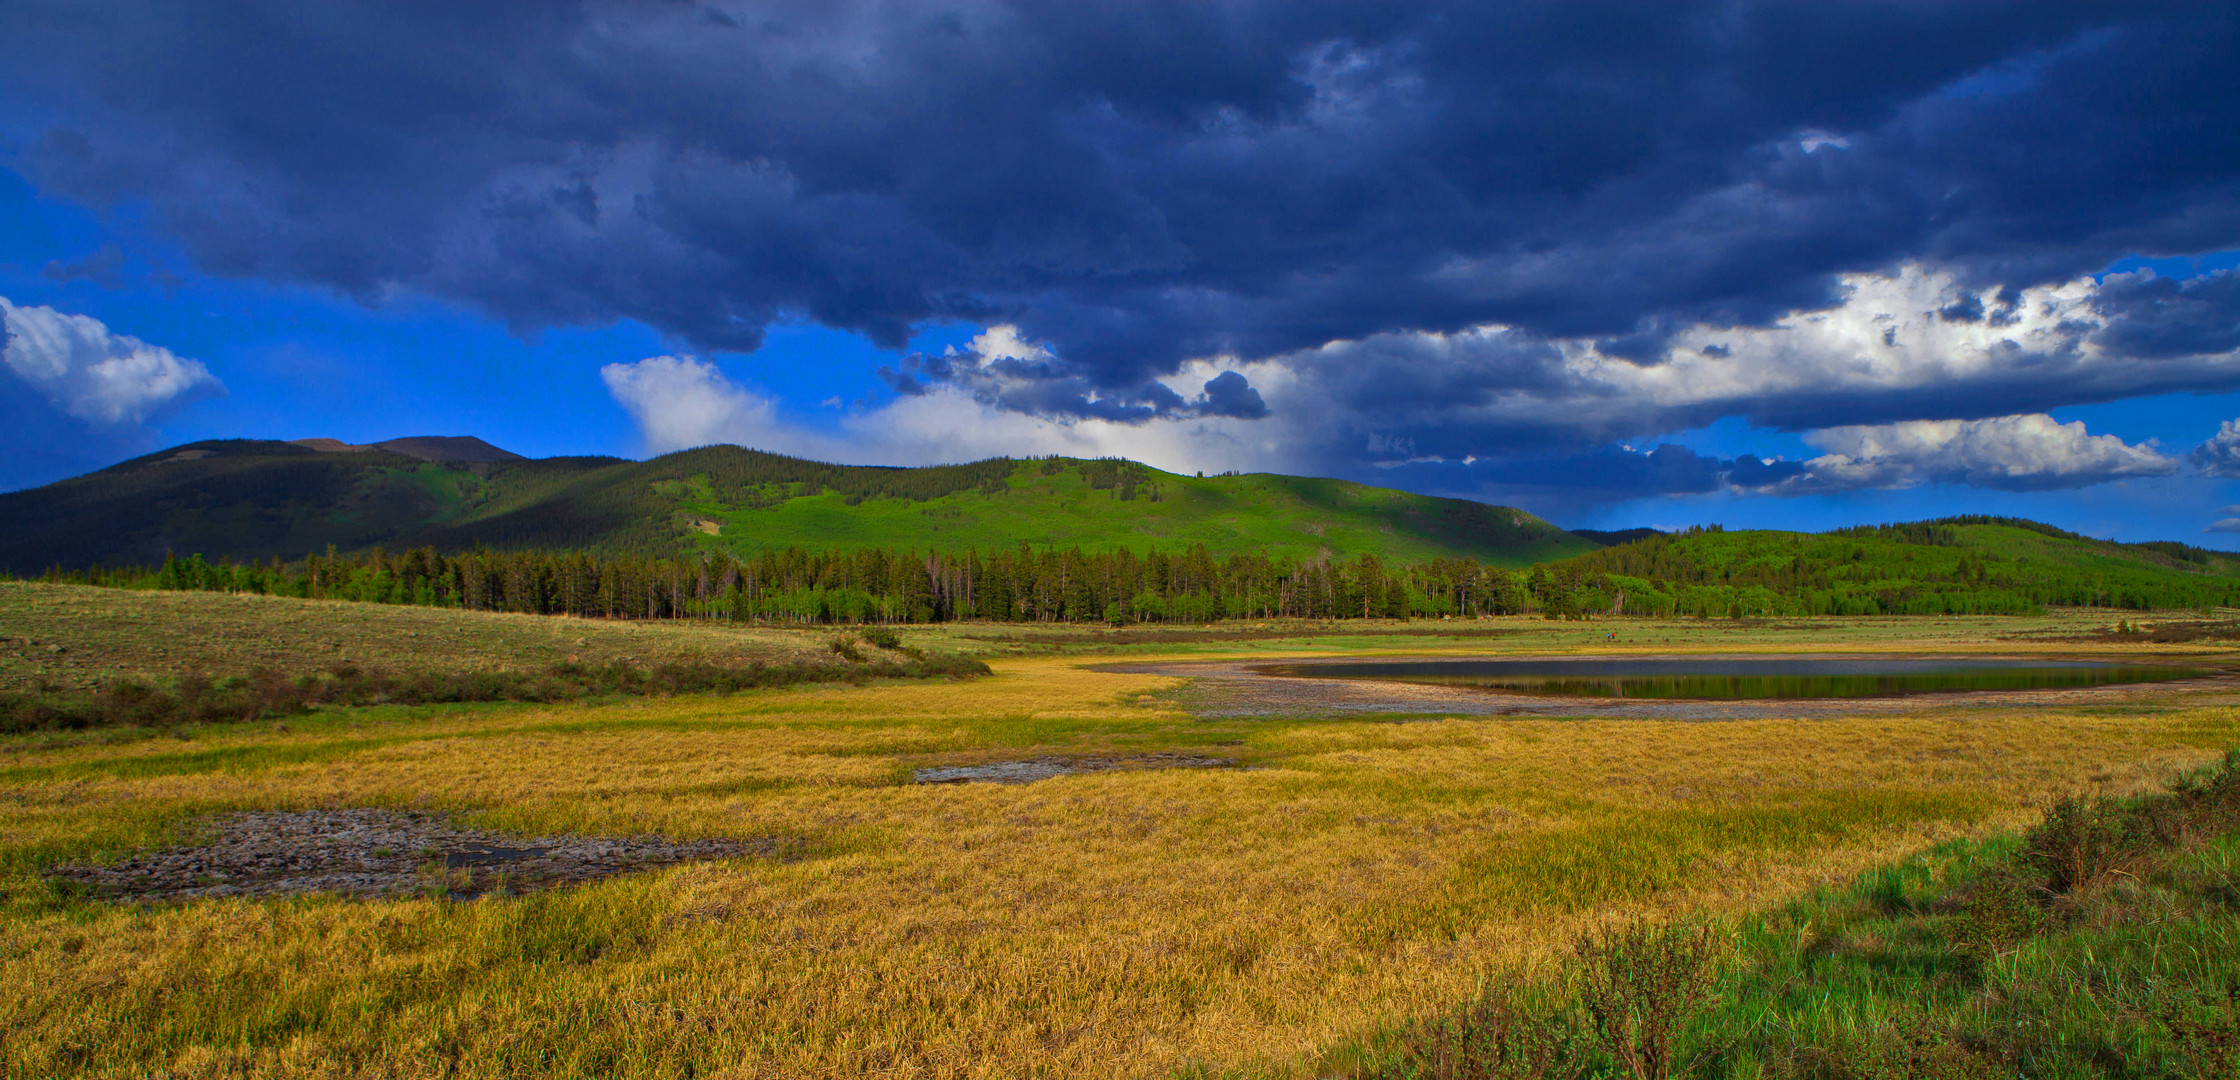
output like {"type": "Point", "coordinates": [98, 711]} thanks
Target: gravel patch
{"type": "Point", "coordinates": [368, 853]}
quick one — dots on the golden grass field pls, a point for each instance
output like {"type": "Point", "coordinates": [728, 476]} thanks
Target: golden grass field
{"type": "Point", "coordinates": [1228, 922]}
{"type": "Point", "coordinates": [113, 633]}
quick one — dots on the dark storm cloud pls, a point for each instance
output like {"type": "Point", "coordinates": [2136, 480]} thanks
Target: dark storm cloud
{"type": "Point", "coordinates": [104, 268]}
{"type": "Point", "coordinates": [1569, 483]}
{"type": "Point", "coordinates": [1136, 185]}
{"type": "Point", "coordinates": [1040, 385]}
{"type": "Point", "coordinates": [2155, 318]}
{"type": "Point", "coordinates": [1229, 394]}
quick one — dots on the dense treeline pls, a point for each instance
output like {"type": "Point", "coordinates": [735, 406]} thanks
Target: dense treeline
{"type": "Point", "coordinates": [1945, 532]}
{"type": "Point", "coordinates": [1920, 569]}
{"type": "Point", "coordinates": [1948, 566]}
{"type": "Point", "coordinates": [868, 585]}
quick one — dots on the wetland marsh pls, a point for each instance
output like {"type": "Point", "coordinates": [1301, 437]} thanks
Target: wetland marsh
{"type": "Point", "coordinates": [1351, 873]}
{"type": "Point", "coordinates": [1719, 678]}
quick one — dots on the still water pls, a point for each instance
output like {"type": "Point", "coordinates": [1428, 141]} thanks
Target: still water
{"type": "Point", "coordinates": [1741, 679]}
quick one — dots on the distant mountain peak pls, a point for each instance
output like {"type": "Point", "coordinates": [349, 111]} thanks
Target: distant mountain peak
{"type": "Point", "coordinates": [424, 447]}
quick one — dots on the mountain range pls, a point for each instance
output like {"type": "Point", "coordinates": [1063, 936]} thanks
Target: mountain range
{"type": "Point", "coordinates": [262, 499]}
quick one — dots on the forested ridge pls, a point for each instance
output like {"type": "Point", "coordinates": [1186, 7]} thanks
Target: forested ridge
{"type": "Point", "coordinates": [252, 501]}
{"type": "Point", "coordinates": [725, 532]}
{"type": "Point", "coordinates": [1980, 566]}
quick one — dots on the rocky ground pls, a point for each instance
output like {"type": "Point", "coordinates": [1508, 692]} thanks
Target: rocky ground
{"type": "Point", "coordinates": [368, 852]}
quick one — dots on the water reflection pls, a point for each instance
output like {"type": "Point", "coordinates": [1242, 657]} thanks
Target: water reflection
{"type": "Point", "coordinates": [1742, 679]}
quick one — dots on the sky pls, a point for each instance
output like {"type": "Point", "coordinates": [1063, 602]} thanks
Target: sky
{"type": "Point", "coordinates": [1797, 265]}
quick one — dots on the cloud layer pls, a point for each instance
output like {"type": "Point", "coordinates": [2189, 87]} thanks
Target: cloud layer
{"type": "Point", "coordinates": [681, 402]}
{"type": "Point", "coordinates": [1001, 370]}
{"type": "Point", "coordinates": [1496, 244]}
{"type": "Point", "coordinates": [1142, 186]}
{"type": "Point", "coordinates": [1911, 346]}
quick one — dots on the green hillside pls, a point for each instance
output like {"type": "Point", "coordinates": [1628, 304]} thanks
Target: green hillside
{"type": "Point", "coordinates": [256, 500]}
{"type": "Point", "coordinates": [1964, 565]}
{"type": "Point", "coordinates": [1115, 505]}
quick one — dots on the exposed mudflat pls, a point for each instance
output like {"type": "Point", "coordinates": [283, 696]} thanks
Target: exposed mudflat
{"type": "Point", "coordinates": [1029, 770]}
{"type": "Point", "coordinates": [1237, 688]}
{"type": "Point", "coordinates": [367, 852]}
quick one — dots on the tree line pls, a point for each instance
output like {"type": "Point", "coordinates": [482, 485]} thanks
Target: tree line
{"type": "Point", "coordinates": [1698, 572]}
{"type": "Point", "coordinates": [867, 585]}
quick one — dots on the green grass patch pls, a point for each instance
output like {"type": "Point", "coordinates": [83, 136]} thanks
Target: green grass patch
{"type": "Point", "coordinates": [2105, 942]}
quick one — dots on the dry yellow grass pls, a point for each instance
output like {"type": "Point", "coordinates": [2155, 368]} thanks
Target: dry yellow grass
{"type": "Point", "coordinates": [1110, 924]}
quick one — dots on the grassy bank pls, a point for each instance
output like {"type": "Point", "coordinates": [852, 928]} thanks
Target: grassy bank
{"type": "Point", "coordinates": [73, 658]}
{"type": "Point", "coordinates": [200, 699]}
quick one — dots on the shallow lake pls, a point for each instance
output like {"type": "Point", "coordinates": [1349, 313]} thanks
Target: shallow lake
{"type": "Point", "coordinates": [1727, 680]}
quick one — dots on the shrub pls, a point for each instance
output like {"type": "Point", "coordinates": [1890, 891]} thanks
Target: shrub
{"type": "Point", "coordinates": [2083, 841]}
{"type": "Point", "coordinates": [883, 637]}
{"type": "Point", "coordinates": [1641, 985]}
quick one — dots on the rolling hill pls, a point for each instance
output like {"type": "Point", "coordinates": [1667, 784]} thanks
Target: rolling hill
{"type": "Point", "coordinates": [257, 500]}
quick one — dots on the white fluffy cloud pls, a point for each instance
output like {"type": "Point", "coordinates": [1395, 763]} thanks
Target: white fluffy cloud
{"type": "Point", "coordinates": [2220, 455]}
{"type": "Point", "coordinates": [102, 378]}
{"type": "Point", "coordinates": [2030, 452]}
{"type": "Point", "coordinates": [680, 402]}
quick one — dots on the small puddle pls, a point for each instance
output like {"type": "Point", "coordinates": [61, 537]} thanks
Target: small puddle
{"type": "Point", "coordinates": [483, 855]}
{"type": "Point", "coordinates": [367, 852]}
{"type": "Point", "coordinates": [1030, 770]}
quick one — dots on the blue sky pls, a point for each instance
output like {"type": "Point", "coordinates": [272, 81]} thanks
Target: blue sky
{"type": "Point", "coordinates": [1698, 261]}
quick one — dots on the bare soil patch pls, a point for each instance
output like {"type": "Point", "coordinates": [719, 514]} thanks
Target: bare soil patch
{"type": "Point", "coordinates": [368, 852]}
